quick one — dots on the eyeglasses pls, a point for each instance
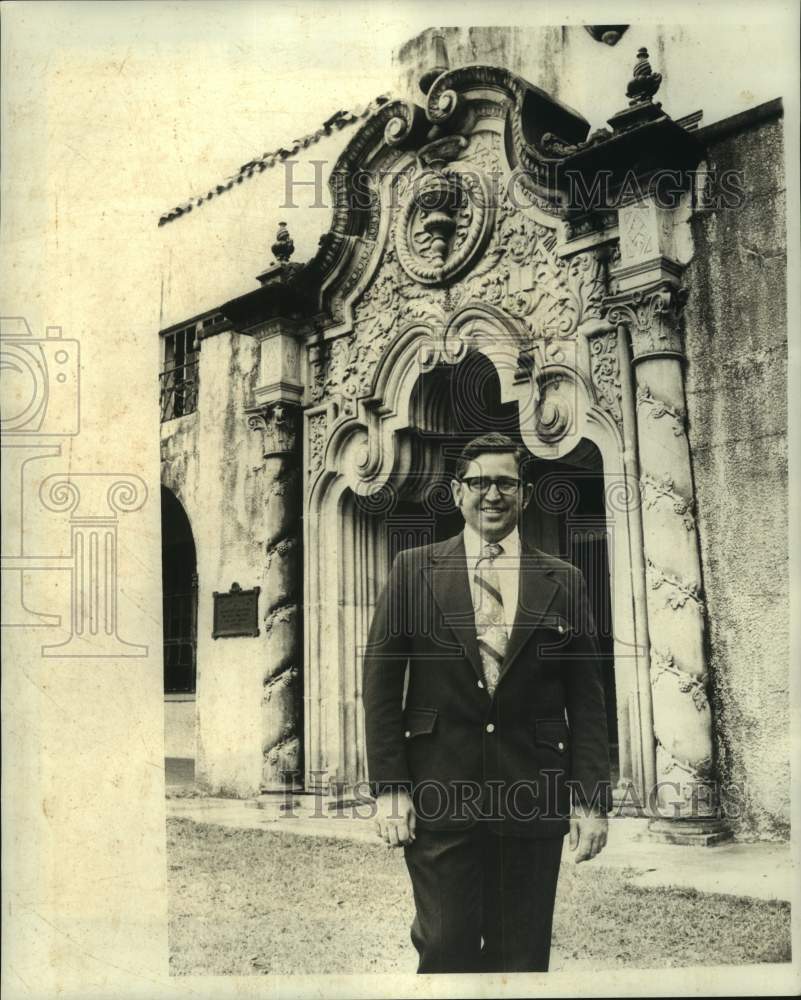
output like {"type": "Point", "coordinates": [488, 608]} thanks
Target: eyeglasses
{"type": "Point", "coordinates": [482, 484]}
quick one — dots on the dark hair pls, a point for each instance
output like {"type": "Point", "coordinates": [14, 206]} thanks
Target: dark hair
{"type": "Point", "coordinates": [492, 442]}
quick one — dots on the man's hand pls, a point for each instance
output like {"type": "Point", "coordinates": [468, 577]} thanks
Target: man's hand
{"type": "Point", "coordinates": [395, 818]}
{"type": "Point", "coordinates": [588, 833]}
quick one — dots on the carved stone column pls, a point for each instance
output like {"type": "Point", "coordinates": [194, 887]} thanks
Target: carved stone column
{"type": "Point", "coordinates": [271, 314]}
{"type": "Point", "coordinates": [282, 706]}
{"type": "Point", "coordinates": [684, 803]}
{"type": "Point", "coordinates": [685, 800]}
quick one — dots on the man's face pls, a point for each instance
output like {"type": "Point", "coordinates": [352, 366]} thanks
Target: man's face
{"type": "Point", "coordinates": [492, 513]}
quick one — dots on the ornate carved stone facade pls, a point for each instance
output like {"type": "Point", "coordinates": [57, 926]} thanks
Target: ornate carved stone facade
{"type": "Point", "coordinates": [456, 240]}
{"type": "Point", "coordinates": [519, 272]}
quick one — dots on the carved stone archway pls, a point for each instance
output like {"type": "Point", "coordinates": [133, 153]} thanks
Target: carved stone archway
{"type": "Point", "coordinates": [367, 458]}
{"type": "Point", "coordinates": [579, 310]}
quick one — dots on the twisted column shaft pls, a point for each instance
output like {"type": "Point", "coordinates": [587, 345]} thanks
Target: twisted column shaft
{"type": "Point", "coordinates": [282, 696]}
{"type": "Point", "coordinates": [682, 716]}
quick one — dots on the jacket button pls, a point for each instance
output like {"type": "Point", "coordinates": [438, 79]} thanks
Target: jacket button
{"type": "Point", "coordinates": [490, 727]}
{"type": "Point", "coordinates": [408, 733]}
{"type": "Point", "coordinates": [560, 629]}
{"type": "Point", "coordinates": [561, 746]}
{"type": "Point", "coordinates": [481, 684]}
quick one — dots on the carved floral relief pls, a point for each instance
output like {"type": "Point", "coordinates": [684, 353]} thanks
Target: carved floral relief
{"type": "Point", "coordinates": [427, 272]}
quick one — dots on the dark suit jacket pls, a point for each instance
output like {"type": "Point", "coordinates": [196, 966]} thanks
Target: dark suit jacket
{"type": "Point", "coordinates": [513, 758]}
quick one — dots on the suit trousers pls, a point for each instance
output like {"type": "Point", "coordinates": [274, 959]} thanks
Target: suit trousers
{"type": "Point", "coordinates": [474, 884]}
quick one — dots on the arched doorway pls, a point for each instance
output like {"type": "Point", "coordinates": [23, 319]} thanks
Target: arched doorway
{"type": "Point", "coordinates": [179, 596]}
{"type": "Point", "coordinates": [382, 484]}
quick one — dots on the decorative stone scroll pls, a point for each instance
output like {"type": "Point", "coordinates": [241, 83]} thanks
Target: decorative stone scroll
{"type": "Point", "coordinates": [555, 411]}
{"type": "Point", "coordinates": [278, 424]}
{"type": "Point", "coordinates": [518, 272]}
{"type": "Point", "coordinates": [652, 316]}
{"type": "Point", "coordinates": [444, 224]}
{"type": "Point", "coordinates": [605, 372]}
{"type": "Point", "coordinates": [316, 431]}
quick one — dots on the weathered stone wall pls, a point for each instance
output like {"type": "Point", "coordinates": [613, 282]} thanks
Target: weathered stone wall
{"type": "Point", "coordinates": [213, 462]}
{"type": "Point", "coordinates": [736, 332]}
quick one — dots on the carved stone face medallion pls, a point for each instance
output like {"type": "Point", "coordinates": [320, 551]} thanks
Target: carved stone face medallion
{"type": "Point", "coordinates": [444, 224]}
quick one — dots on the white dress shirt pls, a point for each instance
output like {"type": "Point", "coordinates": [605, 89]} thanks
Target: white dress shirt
{"type": "Point", "coordinates": [507, 564]}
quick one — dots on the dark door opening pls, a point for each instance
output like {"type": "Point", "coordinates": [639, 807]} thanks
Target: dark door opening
{"type": "Point", "coordinates": [179, 591]}
{"type": "Point", "coordinates": [567, 519]}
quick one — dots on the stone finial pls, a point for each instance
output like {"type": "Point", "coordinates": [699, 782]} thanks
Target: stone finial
{"type": "Point", "coordinates": [283, 248]}
{"type": "Point", "coordinates": [644, 83]}
{"type": "Point", "coordinates": [441, 63]}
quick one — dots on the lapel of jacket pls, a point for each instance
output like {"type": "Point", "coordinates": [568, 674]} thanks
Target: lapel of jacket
{"type": "Point", "coordinates": [537, 590]}
{"type": "Point", "coordinates": [446, 575]}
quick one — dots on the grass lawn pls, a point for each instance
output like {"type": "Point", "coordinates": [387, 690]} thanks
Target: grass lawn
{"type": "Point", "coordinates": [259, 902]}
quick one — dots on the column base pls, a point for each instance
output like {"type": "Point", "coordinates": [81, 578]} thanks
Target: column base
{"type": "Point", "coordinates": [278, 802]}
{"type": "Point", "coordinates": [707, 832]}
{"type": "Point", "coordinates": [625, 801]}
{"type": "Point", "coordinates": [291, 803]}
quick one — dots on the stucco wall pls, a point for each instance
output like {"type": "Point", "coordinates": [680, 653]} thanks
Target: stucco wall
{"type": "Point", "coordinates": [736, 395]}
{"type": "Point", "coordinates": [214, 251]}
{"type": "Point", "coordinates": [591, 77]}
{"type": "Point", "coordinates": [213, 462]}
{"type": "Point", "coordinates": [180, 736]}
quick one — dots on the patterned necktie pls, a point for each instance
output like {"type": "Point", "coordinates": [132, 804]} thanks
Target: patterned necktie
{"type": "Point", "coordinates": [490, 622]}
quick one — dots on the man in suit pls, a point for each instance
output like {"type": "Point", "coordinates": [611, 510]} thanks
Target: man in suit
{"type": "Point", "coordinates": [485, 726]}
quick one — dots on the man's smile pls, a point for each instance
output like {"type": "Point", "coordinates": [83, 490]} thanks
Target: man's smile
{"type": "Point", "coordinates": [490, 495]}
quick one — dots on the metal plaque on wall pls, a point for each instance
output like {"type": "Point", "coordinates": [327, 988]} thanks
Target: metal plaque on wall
{"type": "Point", "coordinates": [236, 613]}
